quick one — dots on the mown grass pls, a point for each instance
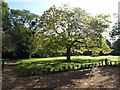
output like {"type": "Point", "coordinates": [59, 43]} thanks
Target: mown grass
{"type": "Point", "coordinates": [35, 66]}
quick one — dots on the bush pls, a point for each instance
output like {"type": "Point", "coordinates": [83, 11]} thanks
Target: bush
{"type": "Point", "coordinates": [23, 52]}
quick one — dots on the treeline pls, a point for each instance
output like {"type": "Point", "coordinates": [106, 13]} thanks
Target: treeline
{"type": "Point", "coordinates": [57, 32]}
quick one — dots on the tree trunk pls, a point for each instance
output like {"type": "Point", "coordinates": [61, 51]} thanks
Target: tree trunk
{"type": "Point", "coordinates": [30, 55]}
{"type": "Point", "coordinates": [68, 53]}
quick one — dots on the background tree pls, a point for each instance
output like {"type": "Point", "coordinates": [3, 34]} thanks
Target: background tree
{"type": "Point", "coordinates": [116, 47]}
{"type": "Point", "coordinates": [24, 33]}
{"type": "Point", "coordinates": [115, 35]}
{"type": "Point", "coordinates": [116, 29]}
{"type": "Point", "coordinates": [5, 16]}
{"type": "Point", "coordinates": [7, 45]}
{"type": "Point", "coordinates": [19, 27]}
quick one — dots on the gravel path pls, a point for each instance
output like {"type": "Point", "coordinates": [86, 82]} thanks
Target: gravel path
{"type": "Point", "coordinates": [98, 77]}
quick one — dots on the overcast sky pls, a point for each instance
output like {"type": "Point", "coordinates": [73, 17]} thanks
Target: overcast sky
{"type": "Point", "coordinates": [92, 6]}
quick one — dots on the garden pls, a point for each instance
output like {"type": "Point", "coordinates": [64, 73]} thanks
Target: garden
{"type": "Point", "coordinates": [64, 47]}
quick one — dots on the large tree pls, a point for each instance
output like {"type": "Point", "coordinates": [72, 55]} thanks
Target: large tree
{"type": "Point", "coordinates": [74, 28]}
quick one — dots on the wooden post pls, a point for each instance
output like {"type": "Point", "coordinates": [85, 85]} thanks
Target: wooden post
{"type": "Point", "coordinates": [68, 67]}
{"type": "Point", "coordinates": [77, 66]}
{"type": "Point", "coordinates": [85, 66]}
{"type": "Point", "coordinates": [110, 63]}
{"type": "Point", "coordinates": [115, 63]}
{"type": "Point", "coordinates": [99, 63]}
{"type": "Point", "coordinates": [92, 65]}
{"type": "Point", "coordinates": [73, 68]}
{"type": "Point", "coordinates": [81, 66]}
{"type": "Point", "coordinates": [59, 69]}
{"type": "Point", "coordinates": [102, 63]}
{"type": "Point", "coordinates": [95, 65]}
{"type": "Point", "coordinates": [64, 68]}
{"type": "Point", "coordinates": [106, 61]}
{"type": "Point", "coordinates": [88, 65]}
{"type": "Point", "coordinates": [2, 64]}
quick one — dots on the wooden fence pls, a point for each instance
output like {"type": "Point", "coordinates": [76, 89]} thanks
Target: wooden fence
{"type": "Point", "coordinates": [96, 63]}
{"type": "Point", "coordinates": [104, 62]}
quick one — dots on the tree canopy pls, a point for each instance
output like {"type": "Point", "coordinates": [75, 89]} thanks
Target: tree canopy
{"type": "Point", "coordinates": [57, 30]}
{"type": "Point", "coordinates": [74, 28]}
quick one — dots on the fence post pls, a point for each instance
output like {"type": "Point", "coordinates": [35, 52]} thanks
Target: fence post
{"type": "Point", "coordinates": [3, 64]}
{"type": "Point", "coordinates": [95, 65]}
{"type": "Point", "coordinates": [64, 68]}
{"type": "Point", "coordinates": [92, 65]}
{"type": "Point", "coordinates": [81, 66]}
{"type": "Point", "coordinates": [77, 66]}
{"type": "Point", "coordinates": [85, 66]}
{"type": "Point", "coordinates": [115, 63]}
{"type": "Point", "coordinates": [106, 61]}
{"type": "Point", "coordinates": [68, 67]}
{"type": "Point", "coordinates": [110, 63]}
{"type": "Point", "coordinates": [73, 68]}
{"type": "Point", "coordinates": [99, 63]}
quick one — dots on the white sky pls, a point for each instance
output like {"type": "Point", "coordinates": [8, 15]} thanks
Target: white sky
{"type": "Point", "coordinates": [92, 6]}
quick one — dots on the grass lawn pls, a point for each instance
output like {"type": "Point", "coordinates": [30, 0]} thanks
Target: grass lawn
{"type": "Point", "coordinates": [35, 66]}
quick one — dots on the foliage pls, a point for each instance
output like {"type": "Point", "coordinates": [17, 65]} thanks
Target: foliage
{"type": "Point", "coordinates": [115, 35]}
{"type": "Point", "coordinates": [7, 45]}
{"type": "Point", "coordinates": [5, 16]}
{"type": "Point", "coordinates": [49, 48]}
{"type": "Point", "coordinates": [58, 30]}
{"type": "Point", "coordinates": [74, 28]}
{"type": "Point", "coordinates": [116, 30]}
{"type": "Point", "coordinates": [116, 47]}
{"type": "Point", "coordinates": [22, 33]}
